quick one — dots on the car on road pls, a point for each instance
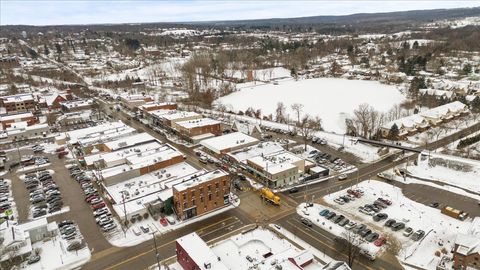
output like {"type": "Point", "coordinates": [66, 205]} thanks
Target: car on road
{"type": "Point", "coordinates": [203, 159]}
{"type": "Point", "coordinates": [434, 204]}
{"type": "Point", "coordinates": [293, 190]}
{"type": "Point", "coordinates": [380, 241]}
{"type": "Point", "coordinates": [408, 231]}
{"type": "Point", "coordinates": [306, 222]}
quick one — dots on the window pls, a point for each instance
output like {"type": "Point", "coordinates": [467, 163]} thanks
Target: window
{"type": "Point", "coordinates": [184, 205]}
{"type": "Point", "coordinates": [201, 190]}
{"type": "Point", "coordinates": [193, 202]}
{"type": "Point", "coordinates": [209, 187]}
{"type": "Point", "coordinates": [216, 185]}
{"type": "Point", "coordinates": [209, 197]}
{"type": "Point", "coordinates": [201, 199]}
{"type": "Point", "coordinates": [184, 196]}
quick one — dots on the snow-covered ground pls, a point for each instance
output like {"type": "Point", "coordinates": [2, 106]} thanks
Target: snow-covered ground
{"type": "Point", "coordinates": [441, 229]}
{"type": "Point", "coordinates": [331, 99]}
{"type": "Point", "coordinates": [134, 235]}
{"type": "Point", "coordinates": [54, 256]}
{"type": "Point", "coordinates": [459, 172]}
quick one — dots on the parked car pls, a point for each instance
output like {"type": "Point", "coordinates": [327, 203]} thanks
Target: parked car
{"type": "Point", "coordinates": [170, 220]}
{"type": "Point", "coordinates": [109, 227]}
{"type": "Point", "coordinates": [390, 222]}
{"type": "Point", "coordinates": [342, 176]}
{"type": "Point", "coordinates": [397, 226]}
{"type": "Point", "coordinates": [163, 221]}
{"type": "Point", "coordinates": [418, 235]}
{"type": "Point", "coordinates": [350, 225]}
{"type": "Point", "coordinates": [338, 219]}
{"type": "Point", "coordinates": [408, 231]}
{"type": "Point", "coordinates": [65, 223]}
{"type": "Point", "coordinates": [98, 206]}
{"type": "Point", "coordinates": [324, 212]}
{"type": "Point", "coordinates": [380, 241]}
{"type": "Point", "coordinates": [364, 232]}
{"type": "Point", "coordinates": [33, 259]}
{"type": "Point", "coordinates": [144, 229]}
{"type": "Point", "coordinates": [380, 216]}
{"type": "Point", "coordinates": [359, 228]}
{"type": "Point", "coordinates": [330, 215]}
{"type": "Point", "coordinates": [101, 211]}
{"type": "Point", "coordinates": [293, 190]}
{"type": "Point", "coordinates": [344, 222]}
{"type": "Point", "coordinates": [371, 237]}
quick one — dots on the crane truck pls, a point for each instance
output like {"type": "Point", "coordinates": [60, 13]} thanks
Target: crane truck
{"type": "Point", "coordinates": [267, 195]}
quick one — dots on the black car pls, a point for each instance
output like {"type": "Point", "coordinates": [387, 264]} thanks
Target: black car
{"type": "Point", "coordinates": [64, 223]}
{"type": "Point", "coordinates": [371, 237]}
{"type": "Point", "coordinates": [330, 215]}
{"type": "Point", "coordinates": [364, 232]}
{"type": "Point", "coordinates": [390, 222]}
{"type": "Point", "coordinates": [434, 204]}
{"type": "Point", "coordinates": [338, 219]}
{"type": "Point", "coordinates": [293, 190]}
{"type": "Point", "coordinates": [380, 216]}
{"type": "Point", "coordinates": [397, 226]}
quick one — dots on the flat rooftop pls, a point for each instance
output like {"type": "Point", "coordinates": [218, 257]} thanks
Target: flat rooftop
{"type": "Point", "coordinates": [198, 123]}
{"type": "Point", "coordinates": [198, 179]}
{"type": "Point", "coordinates": [8, 117]}
{"type": "Point", "coordinates": [276, 162]}
{"type": "Point", "coordinates": [175, 114]}
{"type": "Point", "coordinates": [200, 252]}
{"type": "Point", "coordinates": [131, 140]}
{"type": "Point", "coordinates": [263, 148]}
{"type": "Point", "coordinates": [220, 143]}
{"type": "Point", "coordinates": [102, 132]}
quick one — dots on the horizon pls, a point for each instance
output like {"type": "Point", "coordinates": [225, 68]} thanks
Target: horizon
{"type": "Point", "coordinates": [52, 13]}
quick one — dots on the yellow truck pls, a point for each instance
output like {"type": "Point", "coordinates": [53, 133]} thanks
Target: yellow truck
{"type": "Point", "coordinates": [267, 195]}
{"type": "Point", "coordinates": [454, 213]}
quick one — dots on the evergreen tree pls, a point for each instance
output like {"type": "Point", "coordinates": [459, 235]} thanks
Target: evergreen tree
{"type": "Point", "coordinates": [393, 133]}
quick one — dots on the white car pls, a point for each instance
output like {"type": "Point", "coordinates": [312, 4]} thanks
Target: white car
{"type": "Point", "coordinates": [342, 176]}
{"type": "Point", "coordinates": [109, 227]}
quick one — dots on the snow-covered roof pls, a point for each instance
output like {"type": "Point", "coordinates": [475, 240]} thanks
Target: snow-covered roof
{"type": "Point", "coordinates": [220, 143]}
{"type": "Point", "coordinates": [277, 162]}
{"type": "Point", "coordinates": [198, 179]}
{"type": "Point", "coordinates": [467, 244]}
{"type": "Point", "coordinates": [77, 103]}
{"type": "Point", "coordinates": [198, 123]}
{"type": "Point", "coordinates": [410, 121]}
{"type": "Point", "coordinates": [101, 132]}
{"type": "Point", "coordinates": [176, 115]}
{"type": "Point", "coordinates": [263, 148]}
{"type": "Point", "coordinates": [17, 98]}
{"type": "Point", "coordinates": [336, 265]}
{"type": "Point", "coordinates": [33, 224]}
{"type": "Point", "coordinates": [246, 127]}
{"type": "Point", "coordinates": [9, 117]}
{"type": "Point", "coordinates": [200, 252]}
{"type": "Point", "coordinates": [443, 110]}
{"type": "Point", "coordinates": [129, 141]}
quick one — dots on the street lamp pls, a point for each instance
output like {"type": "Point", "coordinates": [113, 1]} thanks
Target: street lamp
{"type": "Point", "coordinates": [156, 250]}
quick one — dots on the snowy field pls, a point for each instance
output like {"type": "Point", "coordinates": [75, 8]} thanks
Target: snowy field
{"type": "Point", "coordinates": [329, 98]}
{"type": "Point", "coordinates": [454, 171]}
{"type": "Point", "coordinates": [441, 230]}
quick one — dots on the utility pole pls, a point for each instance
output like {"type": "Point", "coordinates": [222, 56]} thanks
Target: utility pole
{"type": "Point", "coordinates": [156, 250]}
{"type": "Point", "coordinates": [125, 214]}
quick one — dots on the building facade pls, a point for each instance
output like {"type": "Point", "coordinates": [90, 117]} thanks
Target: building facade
{"type": "Point", "coordinates": [201, 194]}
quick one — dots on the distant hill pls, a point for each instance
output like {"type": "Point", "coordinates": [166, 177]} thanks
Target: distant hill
{"type": "Point", "coordinates": [355, 23]}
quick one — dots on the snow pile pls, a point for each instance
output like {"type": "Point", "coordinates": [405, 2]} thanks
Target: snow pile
{"type": "Point", "coordinates": [331, 99]}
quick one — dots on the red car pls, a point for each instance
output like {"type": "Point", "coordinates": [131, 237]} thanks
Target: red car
{"type": "Point", "coordinates": [60, 149]}
{"type": "Point", "coordinates": [380, 241]}
{"type": "Point", "coordinates": [385, 201]}
{"type": "Point", "coordinates": [98, 206]}
{"type": "Point", "coordinates": [91, 197]}
{"type": "Point", "coordinates": [62, 154]}
{"type": "Point", "coordinates": [163, 221]}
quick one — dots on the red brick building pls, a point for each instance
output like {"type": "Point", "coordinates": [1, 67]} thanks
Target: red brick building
{"type": "Point", "coordinates": [192, 128]}
{"type": "Point", "coordinates": [18, 103]}
{"type": "Point", "coordinates": [7, 120]}
{"type": "Point", "coordinates": [153, 106]}
{"type": "Point", "coordinates": [201, 194]}
{"type": "Point", "coordinates": [194, 254]}
{"type": "Point", "coordinates": [466, 253]}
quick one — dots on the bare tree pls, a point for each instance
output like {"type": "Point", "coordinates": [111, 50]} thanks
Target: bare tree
{"type": "Point", "coordinates": [350, 244]}
{"type": "Point", "coordinates": [297, 108]}
{"type": "Point", "coordinates": [307, 126]}
{"type": "Point", "coordinates": [280, 112]}
{"type": "Point", "coordinates": [393, 244]}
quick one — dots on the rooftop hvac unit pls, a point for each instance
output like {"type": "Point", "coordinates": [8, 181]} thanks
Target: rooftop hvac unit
{"type": "Point", "coordinates": [168, 175]}
{"type": "Point", "coordinates": [163, 170]}
{"type": "Point", "coordinates": [160, 176]}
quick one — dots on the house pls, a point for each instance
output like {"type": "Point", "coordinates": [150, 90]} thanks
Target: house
{"type": "Point", "coordinates": [408, 125]}
{"type": "Point", "coordinates": [53, 101]}
{"type": "Point", "coordinates": [466, 252]}
{"type": "Point", "coordinates": [336, 265]}
{"type": "Point", "coordinates": [253, 130]}
{"type": "Point", "coordinates": [18, 103]}
{"type": "Point", "coordinates": [221, 145]}
{"type": "Point", "coordinates": [9, 62]}
{"type": "Point", "coordinates": [445, 112]}
{"type": "Point", "coordinates": [7, 120]}
{"type": "Point", "coordinates": [201, 194]}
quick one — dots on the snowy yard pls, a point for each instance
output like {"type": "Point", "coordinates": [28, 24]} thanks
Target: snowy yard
{"type": "Point", "coordinates": [441, 229]}
{"type": "Point", "coordinates": [331, 99]}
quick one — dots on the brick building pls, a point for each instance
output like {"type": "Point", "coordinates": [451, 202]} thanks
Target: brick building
{"type": "Point", "coordinates": [9, 62]}
{"type": "Point", "coordinates": [192, 128]}
{"type": "Point", "coordinates": [7, 120]}
{"type": "Point", "coordinates": [18, 103]}
{"type": "Point", "coordinates": [194, 254]}
{"type": "Point", "coordinates": [201, 194]}
{"type": "Point", "coordinates": [153, 106]}
{"type": "Point", "coordinates": [466, 253]}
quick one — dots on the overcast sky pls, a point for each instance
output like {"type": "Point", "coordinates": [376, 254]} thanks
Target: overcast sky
{"type": "Point", "coordinates": [37, 12]}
